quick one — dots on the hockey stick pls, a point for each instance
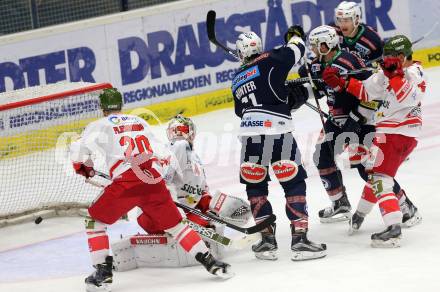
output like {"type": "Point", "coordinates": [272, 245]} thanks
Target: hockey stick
{"type": "Point", "coordinates": [208, 233]}
{"type": "Point", "coordinates": [210, 28]}
{"type": "Point", "coordinates": [211, 217]}
{"type": "Point", "coordinates": [321, 115]}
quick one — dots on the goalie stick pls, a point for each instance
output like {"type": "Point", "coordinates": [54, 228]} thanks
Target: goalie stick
{"type": "Point", "coordinates": [210, 217]}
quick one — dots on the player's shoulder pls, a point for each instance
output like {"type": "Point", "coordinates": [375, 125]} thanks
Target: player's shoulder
{"type": "Point", "coordinates": [371, 37]}
{"type": "Point", "coordinates": [348, 60]}
{"type": "Point", "coordinates": [416, 71]}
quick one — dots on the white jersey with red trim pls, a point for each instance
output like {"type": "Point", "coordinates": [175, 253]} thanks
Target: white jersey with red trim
{"type": "Point", "coordinates": [117, 138]}
{"type": "Point", "coordinates": [399, 99]}
{"type": "Point", "coordinates": [186, 174]}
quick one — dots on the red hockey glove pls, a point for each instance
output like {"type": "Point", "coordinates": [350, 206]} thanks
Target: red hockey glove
{"type": "Point", "coordinates": [84, 169]}
{"type": "Point", "coordinates": [392, 67]}
{"type": "Point", "coordinates": [333, 79]}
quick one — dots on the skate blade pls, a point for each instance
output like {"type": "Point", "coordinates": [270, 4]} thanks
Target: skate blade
{"type": "Point", "coordinates": [307, 255]}
{"type": "Point", "coordinates": [224, 275]}
{"type": "Point", "coordinates": [416, 219]}
{"type": "Point", "coordinates": [352, 229]}
{"type": "Point", "coordinates": [266, 255]}
{"type": "Point", "coordinates": [390, 243]}
{"type": "Point", "coordinates": [102, 288]}
{"type": "Point", "coordinates": [337, 218]}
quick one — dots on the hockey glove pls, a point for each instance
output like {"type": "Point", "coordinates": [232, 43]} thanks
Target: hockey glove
{"type": "Point", "coordinates": [353, 124]}
{"type": "Point", "coordinates": [297, 95]}
{"type": "Point", "coordinates": [333, 79]}
{"type": "Point", "coordinates": [294, 30]}
{"type": "Point", "coordinates": [230, 208]}
{"type": "Point", "coordinates": [84, 169]}
{"type": "Point", "coordinates": [392, 67]}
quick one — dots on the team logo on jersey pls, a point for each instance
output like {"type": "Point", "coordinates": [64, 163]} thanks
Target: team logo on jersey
{"type": "Point", "coordinates": [116, 120]}
{"type": "Point", "coordinates": [285, 170]}
{"type": "Point", "coordinates": [245, 76]}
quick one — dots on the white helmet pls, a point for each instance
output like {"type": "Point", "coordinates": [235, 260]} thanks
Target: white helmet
{"type": "Point", "coordinates": [324, 34]}
{"type": "Point", "coordinates": [351, 10]}
{"type": "Point", "coordinates": [181, 128]}
{"type": "Point", "coordinates": [248, 44]}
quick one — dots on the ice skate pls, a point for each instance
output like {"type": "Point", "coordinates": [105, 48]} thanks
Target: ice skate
{"type": "Point", "coordinates": [339, 211]}
{"type": "Point", "coordinates": [390, 237]}
{"type": "Point", "coordinates": [304, 249]}
{"type": "Point", "coordinates": [214, 266]}
{"type": "Point", "coordinates": [102, 277]}
{"type": "Point", "coordinates": [267, 247]}
{"type": "Point", "coordinates": [411, 215]}
{"type": "Point", "coordinates": [355, 222]}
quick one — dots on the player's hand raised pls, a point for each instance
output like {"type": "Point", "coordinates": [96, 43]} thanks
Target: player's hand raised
{"type": "Point", "coordinates": [294, 30]}
{"type": "Point", "coordinates": [392, 66]}
{"type": "Point", "coordinates": [84, 169]}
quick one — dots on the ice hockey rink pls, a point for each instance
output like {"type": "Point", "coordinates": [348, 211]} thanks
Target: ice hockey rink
{"type": "Point", "coordinates": [53, 256]}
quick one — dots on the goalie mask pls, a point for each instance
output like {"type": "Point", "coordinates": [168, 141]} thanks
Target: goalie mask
{"type": "Point", "coordinates": [181, 128]}
{"type": "Point", "coordinates": [248, 44]}
{"type": "Point", "coordinates": [326, 35]}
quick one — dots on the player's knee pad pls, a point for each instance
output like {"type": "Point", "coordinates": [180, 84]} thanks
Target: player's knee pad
{"type": "Point", "coordinates": [230, 208]}
{"type": "Point", "coordinates": [381, 184]}
{"type": "Point", "coordinates": [288, 173]}
{"type": "Point", "coordinates": [253, 173]}
{"type": "Point", "coordinates": [261, 207]}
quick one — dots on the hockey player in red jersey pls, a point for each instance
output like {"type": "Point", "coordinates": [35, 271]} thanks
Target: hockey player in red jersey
{"type": "Point", "coordinates": [130, 152]}
{"type": "Point", "coordinates": [398, 89]}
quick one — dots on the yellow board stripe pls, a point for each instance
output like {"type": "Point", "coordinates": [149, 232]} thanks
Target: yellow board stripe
{"type": "Point", "coordinates": [154, 114]}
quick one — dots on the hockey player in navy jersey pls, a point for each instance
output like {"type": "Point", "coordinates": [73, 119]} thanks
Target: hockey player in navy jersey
{"type": "Point", "coordinates": [362, 40]}
{"type": "Point", "coordinates": [357, 37]}
{"type": "Point", "coordinates": [344, 128]}
{"type": "Point", "coordinates": [263, 103]}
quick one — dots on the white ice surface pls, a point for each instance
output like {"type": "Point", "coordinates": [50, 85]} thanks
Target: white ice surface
{"type": "Point", "coordinates": [53, 256]}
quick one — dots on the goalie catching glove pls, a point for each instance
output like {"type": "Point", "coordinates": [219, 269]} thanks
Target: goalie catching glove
{"type": "Point", "coordinates": [230, 208]}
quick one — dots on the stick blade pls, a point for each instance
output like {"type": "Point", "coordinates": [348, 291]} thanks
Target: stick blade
{"type": "Point", "coordinates": [210, 25]}
{"type": "Point", "coordinates": [262, 225]}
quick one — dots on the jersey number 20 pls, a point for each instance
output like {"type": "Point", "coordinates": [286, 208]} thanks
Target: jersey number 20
{"type": "Point", "coordinates": [140, 142]}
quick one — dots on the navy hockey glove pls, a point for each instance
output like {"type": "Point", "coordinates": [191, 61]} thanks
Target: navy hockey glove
{"type": "Point", "coordinates": [297, 95]}
{"type": "Point", "coordinates": [353, 123]}
{"type": "Point", "coordinates": [294, 30]}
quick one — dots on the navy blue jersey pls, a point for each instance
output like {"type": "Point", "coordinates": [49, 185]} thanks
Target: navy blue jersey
{"type": "Point", "coordinates": [260, 94]}
{"type": "Point", "coordinates": [367, 43]}
{"type": "Point", "coordinates": [340, 103]}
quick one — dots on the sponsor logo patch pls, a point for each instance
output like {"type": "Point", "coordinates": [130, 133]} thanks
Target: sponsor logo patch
{"type": "Point", "coordinates": [285, 170]}
{"type": "Point", "coordinates": [252, 172]}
